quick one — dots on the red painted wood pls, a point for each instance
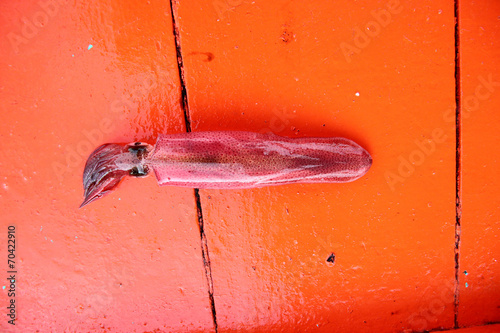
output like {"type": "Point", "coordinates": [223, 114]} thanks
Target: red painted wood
{"type": "Point", "coordinates": [132, 262]}
{"type": "Point", "coordinates": [480, 98]}
{"type": "Point", "coordinates": [380, 73]}
{"type": "Point", "coordinates": [373, 255]}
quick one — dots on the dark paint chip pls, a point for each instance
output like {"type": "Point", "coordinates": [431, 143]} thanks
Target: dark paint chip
{"type": "Point", "coordinates": [331, 258]}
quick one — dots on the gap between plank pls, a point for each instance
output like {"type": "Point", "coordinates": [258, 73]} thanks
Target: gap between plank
{"type": "Point", "coordinates": [187, 119]}
{"type": "Point", "coordinates": [458, 161]}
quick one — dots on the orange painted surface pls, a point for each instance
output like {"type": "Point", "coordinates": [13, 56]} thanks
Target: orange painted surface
{"type": "Point", "coordinates": [480, 245]}
{"type": "Point", "coordinates": [380, 73]}
{"type": "Point", "coordinates": [130, 263]}
{"type": "Point", "coordinates": [279, 66]}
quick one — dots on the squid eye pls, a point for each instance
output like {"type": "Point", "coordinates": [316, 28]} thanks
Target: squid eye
{"type": "Point", "coordinates": [139, 171]}
{"type": "Point", "coordinates": [138, 143]}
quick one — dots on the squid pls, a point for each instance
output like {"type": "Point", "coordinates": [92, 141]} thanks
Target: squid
{"type": "Point", "coordinates": [225, 160]}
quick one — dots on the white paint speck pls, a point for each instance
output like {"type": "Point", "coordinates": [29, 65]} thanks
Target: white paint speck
{"type": "Point", "coordinates": [357, 93]}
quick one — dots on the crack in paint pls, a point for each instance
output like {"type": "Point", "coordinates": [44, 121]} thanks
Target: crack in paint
{"type": "Point", "coordinates": [458, 143]}
{"type": "Point", "coordinates": [180, 66]}
{"type": "Point", "coordinates": [206, 258]}
{"type": "Point", "coordinates": [187, 118]}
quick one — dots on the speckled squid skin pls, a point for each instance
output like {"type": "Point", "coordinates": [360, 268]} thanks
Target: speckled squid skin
{"type": "Point", "coordinates": [226, 160]}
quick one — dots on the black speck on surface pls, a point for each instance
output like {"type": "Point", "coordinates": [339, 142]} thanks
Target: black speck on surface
{"type": "Point", "coordinates": [331, 258]}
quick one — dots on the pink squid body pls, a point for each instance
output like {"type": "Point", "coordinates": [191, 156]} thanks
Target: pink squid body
{"type": "Point", "coordinates": [230, 160]}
